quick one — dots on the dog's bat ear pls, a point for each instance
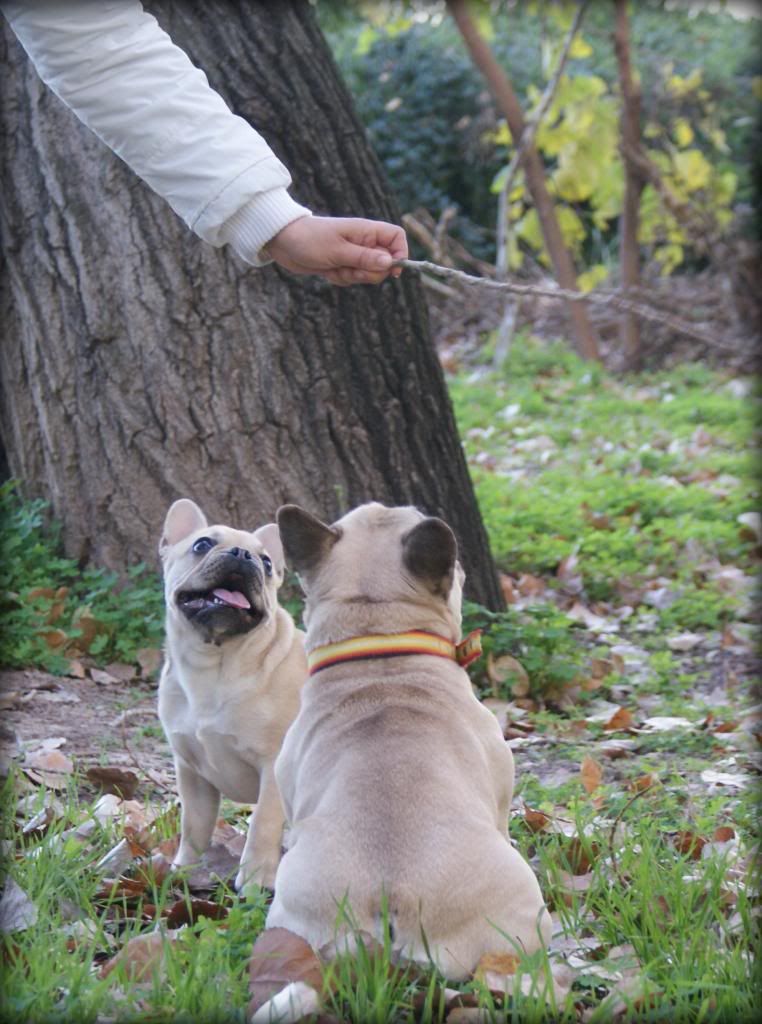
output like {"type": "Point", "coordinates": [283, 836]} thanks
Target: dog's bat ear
{"type": "Point", "coordinates": [429, 552]}
{"type": "Point", "coordinates": [306, 540]}
{"type": "Point", "coordinates": [183, 519]}
{"type": "Point", "coordinates": [269, 537]}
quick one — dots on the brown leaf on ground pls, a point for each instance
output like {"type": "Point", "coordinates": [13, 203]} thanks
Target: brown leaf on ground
{"type": "Point", "coordinates": [221, 860]}
{"type": "Point", "coordinates": [530, 586]}
{"type": "Point", "coordinates": [121, 782]}
{"type": "Point", "coordinates": [569, 884]}
{"type": "Point", "coordinates": [508, 588]}
{"type": "Point", "coordinates": [689, 844]}
{"type": "Point", "coordinates": [190, 911]}
{"type": "Point", "coordinates": [591, 773]}
{"type": "Point", "coordinates": [506, 668]}
{"type": "Point", "coordinates": [615, 749]}
{"type": "Point", "coordinates": [125, 888]}
{"type": "Point", "coordinates": [149, 659]}
{"type": "Point", "coordinates": [601, 667]}
{"type": "Point", "coordinates": [642, 783]}
{"type": "Point", "coordinates": [536, 820]}
{"type": "Point", "coordinates": [621, 719]}
{"type": "Point", "coordinates": [280, 957]}
{"type": "Point", "coordinates": [102, 677]}
{"type": "Point", "coordinates": [122, 671]}
{"type": "Point", "coordinates": [17, 911]}
{"type": "Point", "coordinates": [47, 767]}
{"type": "Point", "coordinates": [496, 971]}
{"type": "Point", "coordinates": [142, 957]}
{"type": "Point", "coordinates": [579, 856]}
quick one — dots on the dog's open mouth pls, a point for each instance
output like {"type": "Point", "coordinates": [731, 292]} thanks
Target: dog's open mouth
{"type": "Point", "coordinates": [196, 602]}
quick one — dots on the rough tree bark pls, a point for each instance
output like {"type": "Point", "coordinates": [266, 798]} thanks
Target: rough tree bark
{"type": "Point", "coordinates": [634, 182]}
{"type": "Point", "coordinates": [507, 101]}
{"type": "Point", "coordinates": [139, 365]}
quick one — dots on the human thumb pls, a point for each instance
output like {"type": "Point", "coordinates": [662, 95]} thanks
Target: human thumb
{"type": "Point", "coordinates": [360, 257]}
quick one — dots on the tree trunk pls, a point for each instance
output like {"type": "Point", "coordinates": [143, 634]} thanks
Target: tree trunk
{"type": "Point", "coordinates": [508, 104]}
{"type": "Point", "coordinates": [629, 121]}
{"type": "Point", "coordinates": [140, 365]}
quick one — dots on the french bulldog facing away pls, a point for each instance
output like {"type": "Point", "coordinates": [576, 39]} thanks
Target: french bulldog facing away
{"type": "Point", "coordinates": [229, 689]}
{"type": "Point", "coordinates": [396, 781]}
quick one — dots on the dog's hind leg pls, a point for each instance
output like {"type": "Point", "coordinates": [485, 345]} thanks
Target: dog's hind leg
{"type": "Point", "coordinates": [200, 802]}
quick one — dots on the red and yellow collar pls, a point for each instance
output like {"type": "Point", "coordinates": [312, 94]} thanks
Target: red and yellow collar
{"type": "Point", "coordinates": [393, 645]}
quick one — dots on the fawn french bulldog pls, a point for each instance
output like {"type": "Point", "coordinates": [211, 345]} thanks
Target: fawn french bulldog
{"type": "Point", "coordinates": [396, 781]}
{"type": "Point", "coordinates": [234, 667]}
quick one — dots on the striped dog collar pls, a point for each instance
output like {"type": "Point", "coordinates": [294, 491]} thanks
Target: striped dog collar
{"type": "Point", "coordinates": [393, 645]}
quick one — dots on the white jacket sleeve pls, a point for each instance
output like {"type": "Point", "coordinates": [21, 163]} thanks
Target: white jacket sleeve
{"type": "Point", "coordinates": [122, 75]}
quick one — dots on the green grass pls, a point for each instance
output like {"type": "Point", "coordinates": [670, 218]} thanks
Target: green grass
{"type": "Point", "coordinates": [617, 483]}
{"type": "Point", "coordinates": [625, 484]}
{"type": "Point", "coordinates": [690, 924]}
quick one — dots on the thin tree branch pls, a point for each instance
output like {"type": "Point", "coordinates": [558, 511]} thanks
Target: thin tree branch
{"type": "Point", "coordinates": [533, 121]}
{"type": "Point", "coordinates": [601, 297]}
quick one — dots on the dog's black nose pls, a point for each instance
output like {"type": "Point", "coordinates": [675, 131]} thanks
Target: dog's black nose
{"type": "Point", "coordinates": [240, 553]}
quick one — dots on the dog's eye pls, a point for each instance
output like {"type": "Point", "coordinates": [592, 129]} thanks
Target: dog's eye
{"type": "Point", "coordinates": [202, 545]}
{"type": "Point", "coordinates": [267, 563]}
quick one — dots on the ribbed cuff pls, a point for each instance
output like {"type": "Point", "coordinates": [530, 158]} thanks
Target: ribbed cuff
{"type": "Point", "coordinates": [259, 220]}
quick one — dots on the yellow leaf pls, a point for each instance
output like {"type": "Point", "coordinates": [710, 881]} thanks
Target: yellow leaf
{"type": "Point", "coordinates": [592, 277]}
{"type": "Point", "coordinates": [580, 48]}
{"type": "Point", "coordinates": [693, 168]}
{"type": "Point", "coordinates": [502, 136]}
{"type": "Point", "coordinates": [683, 132]}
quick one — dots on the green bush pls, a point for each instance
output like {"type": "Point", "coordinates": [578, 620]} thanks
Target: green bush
{"type": "Point", "coordinates": [430, 117]}
{"type": "Point", "coordinates": [44, 597]}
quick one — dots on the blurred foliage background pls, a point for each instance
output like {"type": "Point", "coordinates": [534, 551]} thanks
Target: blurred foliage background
{"type": "Point", "coordinates": [442, 143]}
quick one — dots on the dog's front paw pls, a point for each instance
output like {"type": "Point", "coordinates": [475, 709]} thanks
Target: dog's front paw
{"type": "Point", "coordinates": [251, 877]}
{"type": "Point", "coordinates": [185, 857]}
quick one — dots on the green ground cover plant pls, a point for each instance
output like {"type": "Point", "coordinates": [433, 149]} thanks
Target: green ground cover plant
{"type": "Point", "coordinates": [633, 732]}
{"type": "Point", "coordinates": [52, 611]}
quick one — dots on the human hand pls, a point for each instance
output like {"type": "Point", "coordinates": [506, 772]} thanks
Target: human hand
{"type": "Point", "coordinates": [343, 250]}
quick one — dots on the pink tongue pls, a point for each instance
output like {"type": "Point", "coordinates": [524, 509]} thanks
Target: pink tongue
{"type": "Point", "coordinates": [233, 597]}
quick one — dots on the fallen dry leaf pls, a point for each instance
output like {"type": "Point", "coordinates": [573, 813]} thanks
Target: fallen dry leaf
{"type": "Point", "coordinates": [48, 767]}
{"type": "Point", "coordinates": [591, 773]}
{"type": "Point", "coordinates": [530, 586]}
{"type": "Point", "coordinates": [497, 971]}
{"type": "Point", "coordinates": [508, 587]}
{"type": "Point", "coordinates": [684, 641]}
{"type": "Point", "coordinates": [189, 911]}
{"type": "Point", "coordinates": [121, 782]}
{"type": "Point", "coordinates": [506, 668]}
{"type": "Point", "coordinates": [17, 911]}
{"type": "Point", "coordinates": [142, 958]}
{"type": "Point", "coordinates": [642, 783]}
{"type": "Point", "coordinates": [279, 958]}
{"type": "Point", "coordinates": [621, 719]}
{"type": "Point", "coordinates": [103, 678]}
{"type": "Point", "coordinates": [615, 749]}
{"type": "Point", "coordinates": [665, 723]}
{"type": "Point", "coordinates": [715, 778]}
{"type": "Point", "coordinates": [536, 820]}
{"type": "Point", "coordinates": [689, 844]}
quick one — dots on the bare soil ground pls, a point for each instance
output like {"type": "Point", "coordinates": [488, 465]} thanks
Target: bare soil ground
{"type": "Point", "coordinates": [115, 724]}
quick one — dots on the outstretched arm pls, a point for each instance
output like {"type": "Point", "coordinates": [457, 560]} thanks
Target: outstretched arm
{"type": "Point", "coordinates": [122, 75]}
